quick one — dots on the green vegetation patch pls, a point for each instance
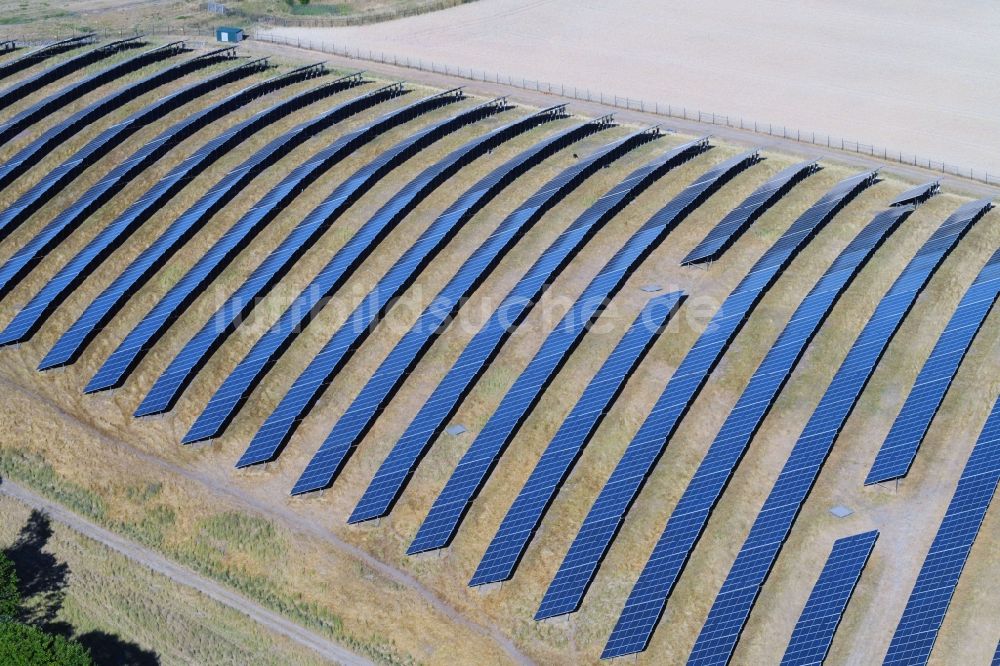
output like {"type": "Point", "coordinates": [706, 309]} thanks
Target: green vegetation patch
{"type": "Point", "coordinates": [309, 9]}
{"type": "Point", "coordinates": [23, 645]}
{"type": "Point", "coordinates": [31, 469]}
{"type": "Point", "coordinates": [21, 19]}
{"type": "Point", "coordinates": [246, 534]}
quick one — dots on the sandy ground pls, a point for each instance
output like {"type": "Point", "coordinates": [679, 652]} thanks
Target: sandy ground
{"type": "Point", "coordinates": [906, 76]}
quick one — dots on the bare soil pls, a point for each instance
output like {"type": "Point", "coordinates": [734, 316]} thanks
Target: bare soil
{"type": "Point", "coordinates": [911, 77]}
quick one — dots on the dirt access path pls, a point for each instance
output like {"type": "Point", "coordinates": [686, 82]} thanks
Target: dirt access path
{"type": "Point", "coordinates": [179, 574]}
{"type": "Point", "coordinates": [286, 517]}
{"type": "Point", "coordinates": [908, 76]}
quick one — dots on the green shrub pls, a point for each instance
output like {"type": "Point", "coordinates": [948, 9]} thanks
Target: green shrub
{"type": "Point", "coordinates": [21, 645]}
{"type": "Point", "coordinates": [10, 598]}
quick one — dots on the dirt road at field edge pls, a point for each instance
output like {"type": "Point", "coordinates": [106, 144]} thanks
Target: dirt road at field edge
{"type": "Point", "coordinates": [292, 521]}
{"type": "Point", "coordinates": [179, 574]}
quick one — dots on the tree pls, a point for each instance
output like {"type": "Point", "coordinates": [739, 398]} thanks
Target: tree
{"type": "Point", "coordinates": [23, 645]}
{"type": "Point", "coordinates": [10, 598]}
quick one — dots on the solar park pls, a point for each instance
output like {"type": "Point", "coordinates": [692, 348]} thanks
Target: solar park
{"type": "Point", "coordinates": [596, 384]}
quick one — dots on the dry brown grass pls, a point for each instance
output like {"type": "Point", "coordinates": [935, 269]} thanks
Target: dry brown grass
{"type": "Point", "coordinates": [35, 19]}
{"type": "Point", "coordinates": [176, 622]}
{"type": "Point", "coordinates": [75, 434]}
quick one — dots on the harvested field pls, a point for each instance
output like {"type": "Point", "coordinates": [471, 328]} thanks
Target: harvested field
{"type": "Point", "coordinates": [904, 77]}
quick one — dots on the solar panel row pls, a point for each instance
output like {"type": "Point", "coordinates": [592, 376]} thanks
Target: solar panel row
{"type": "Point", "coordinates": [917, 630]}
{"type": "Point", "coordinates": [599, 528]}
{"type": "Point", "coordinates": [732, 606]}
{"type": "Point", "coordinates": [70, 345]}
{"type": "Point", "coordinates": [58, 100]}
{"type": "Point", "coordinates": [818, 622]}
{"type": "Point", "coordinates": [646, 602]}
{"type": "Point", "coordinates": [321, 370]}
{"type": "Point", "coordinates": [25, 87]}
{"type": "Point", "coordinates": [899, 449]}
{"type": "Point", "coordinates": [200, 347]}
{"type": "Point", "coordinates": [739, 219]}
{"type": "Point", "coordinates": [441, 523]}
{"type": "Point", "coordinates": [41, 53]}
{"type": "Point", "coordinates": [144, 335]}
{"type": "Point", "coordinates": [391, 476]}
{"type": "Point", "coordinates": [32, 315]}
{"type": "Point", "coordinates": [378, 390]}
{"type": "Point", "coordinates": [58, 178]}
{"type": "Point", "coordinates": [918, 194]}
{"type": "Point", "coordinates": [554, 466]}
{"type": "Point", "coordinates": [53, 136]}
{"type": "Point", "coordinates": [65, 222]}
{"type": "Point", "coordinates": [279, 261]}
{"type": "Point", "coordinates": [235, 389]}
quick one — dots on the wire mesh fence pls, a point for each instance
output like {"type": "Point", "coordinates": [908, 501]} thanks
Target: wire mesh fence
{"type": "Point", "coordinates": [644, 106]}
{"type": "Point", "coordinates": [574, 92]}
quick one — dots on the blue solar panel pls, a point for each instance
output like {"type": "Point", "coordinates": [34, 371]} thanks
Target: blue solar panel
{"type": "Point", "coordinates": [351, 427]}
{"type": "Point", "coordinates": [900, 446]}
{"type": "Point", "coordinates": [608, 511]}
{"type": "Point", "coordinates": [324, 366]}
{"type": "Point", "coordinates": [56, 230]}
{"type": "Point", "coordinates": [397, 467]}
{"type": "Point", "coordinates": [127, 355]}
{"type": "Point", "coordinates": [996, 656]}
{"type": "Point", "coordinates": [41, 53]}
{"type": "Point", "coordinates": [48, 298]}
{"type": "Point", "coordinates": [441, 523]}
{"type": "Point", "coordinates": [818, 622]}
{"type": "Point", "coordinates": [925, 610]}
{"type": "Point", "coordinates": [732, 226]}
{"type": "Point", "coordinates": [56, 101]}
{"type": "Point", "coordinates": [227, 400]}
{"type": "Point", "coordinates": [727, 618]}
{"type": "Point", "coordinates": [648, 598]}
{"type": "Point", "coordinates": [68, 348]}
{"type": "Point", "coordinates": [238, 306]}
{"type": "Point", "coordinates": [918, 194]}
{"type": "Point", "coordinates": [53, 136]}
{"type": "Point", "coordinates": [58, 178]}
{"type": "Point", "coordinates": [552, 469]}
{"type": "Point", "coordinates": [23, 88]}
